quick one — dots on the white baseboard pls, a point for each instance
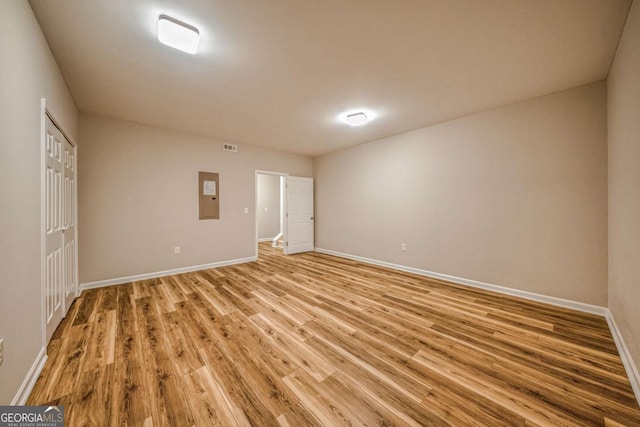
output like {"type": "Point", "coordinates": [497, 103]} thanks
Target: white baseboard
{"type": "Point", "coordinates": [265, 239]}
{"type": "Point", "coordinates": [625, 355]}
{"type": "Point", "coordinates": [560, 302]}
{"type": "Point", "coordinates": [30, 380]}
{"type": "Point", "coordinates": [128, 279]}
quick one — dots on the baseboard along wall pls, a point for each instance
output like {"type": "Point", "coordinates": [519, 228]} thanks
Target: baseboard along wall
{"type": "Point", "coordinates": [30, 380]}
{"type": "Point", "coordinates": [128, 279]}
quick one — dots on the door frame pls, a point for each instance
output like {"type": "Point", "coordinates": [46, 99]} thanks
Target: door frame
{"type": "Point", "coordinates": [46, 110]}
{"type": "Point", "coordinates": [283, 195]}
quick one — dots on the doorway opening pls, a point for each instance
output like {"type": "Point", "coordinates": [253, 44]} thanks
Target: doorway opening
{"type": "Point", "coordinates": [270, 211]}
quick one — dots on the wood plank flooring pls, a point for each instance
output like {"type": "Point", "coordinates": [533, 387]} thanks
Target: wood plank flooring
{"type": "Point", "coordinates": [312, 339]}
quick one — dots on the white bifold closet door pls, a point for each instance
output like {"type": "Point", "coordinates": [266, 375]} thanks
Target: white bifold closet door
{"type": "Point", "coordinates": [60, 224]}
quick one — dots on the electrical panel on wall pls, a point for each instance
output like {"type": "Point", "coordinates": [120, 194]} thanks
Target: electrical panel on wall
{"type": "Point", "coordinates": [209, 195]}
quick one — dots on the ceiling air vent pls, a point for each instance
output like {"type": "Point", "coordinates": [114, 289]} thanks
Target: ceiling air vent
{"type": "Point", "coordinates": [230, 147]}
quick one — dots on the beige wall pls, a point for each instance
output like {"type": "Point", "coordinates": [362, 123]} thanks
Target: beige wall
{"type": "Point", "coordinates": [624, 184]}
{"type": "Point", "coordinates": [268, 209]}
{"type": "Point", "coordinates": [138, 198]}
{"type": "Point", "coordinates": [28, 72]}
{"type": "Point", "coordinates": [514, 196]}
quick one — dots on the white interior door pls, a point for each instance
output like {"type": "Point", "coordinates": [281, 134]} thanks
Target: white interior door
{"type": "Point", "coordinates": [54, 224]}
{"type": "Point", "coordinates": [69, 282]}
{"type": "Point", "coordinates": [299, 215]}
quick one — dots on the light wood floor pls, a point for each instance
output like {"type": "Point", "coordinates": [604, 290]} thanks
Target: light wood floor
{"type": "Point", "coordinates": [316, 340]}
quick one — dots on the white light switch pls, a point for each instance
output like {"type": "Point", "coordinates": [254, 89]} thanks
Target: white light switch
{"type": "Point", "coordinates": [246, 210]}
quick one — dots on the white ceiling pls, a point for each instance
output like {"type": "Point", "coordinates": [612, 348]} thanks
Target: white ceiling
{"type": "Point", "coordinates": [276, 73]}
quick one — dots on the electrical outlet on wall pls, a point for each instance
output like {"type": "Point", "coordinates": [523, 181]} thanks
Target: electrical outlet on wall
{"type": "Point", "coordinates": [403, 247]}
{"type": "Point", "coordinates": [176, 250]}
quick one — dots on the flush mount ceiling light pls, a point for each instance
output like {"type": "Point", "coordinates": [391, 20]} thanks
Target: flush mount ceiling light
{"type": "Point", "coordinates": [356, 119]}
{"type": "Point", "coordinates": [178, 34]}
